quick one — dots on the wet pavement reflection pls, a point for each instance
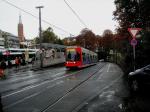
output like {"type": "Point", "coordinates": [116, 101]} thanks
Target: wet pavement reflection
{"type": "Point", "coordinates": [118, 98]}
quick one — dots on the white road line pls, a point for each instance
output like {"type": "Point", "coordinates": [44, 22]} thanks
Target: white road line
{"type": "Point", "coordinates": [33, 95]}
{"type": "Point", "coordinates": [20, 100]}
{"type": "Point", "coordinates": [57, 83]}
{"type": "Point", "coordinates": [113, 82]}
{"type": "Point", "coordinates": [108, 68]}
{"type": "Point", "coordinates": [33, 86]}
{"type": "Point", "coordinates": [99, 78]}
{"type": "Point", "coordinates": [58, 74]}
{"type": "Point", "coordinates": [30, 76]}
{"type": "Point", "coordinates": [22, 78]}
{"type": "Point", "coordinates": [89, 99]}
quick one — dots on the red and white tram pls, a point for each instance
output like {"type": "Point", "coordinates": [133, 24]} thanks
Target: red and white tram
{"type": "Point", "coordinates": [78, 57]}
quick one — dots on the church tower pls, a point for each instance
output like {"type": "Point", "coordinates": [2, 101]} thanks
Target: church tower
{"type": "Point", "coordinates": [20, 31]}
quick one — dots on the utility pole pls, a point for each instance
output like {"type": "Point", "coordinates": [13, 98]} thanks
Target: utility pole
{"type": "Point", "coordinates": [40, 35]}
{"type": "Point", "coordinates": [40, 29]}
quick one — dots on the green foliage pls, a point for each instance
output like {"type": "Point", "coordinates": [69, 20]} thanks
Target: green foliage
{"type": "Point", "coordinates": [59, 41]}
{"type": "Point", "coordinates": [87, 39]}
{"type": "Point", "coordinates": [37, 40]}
{"type": "Point", "coordinates": [143, 50]}
{"type": "Point", "coordinates": [130, 13]}
{"type": "Point", "coordinates": [48, 36]}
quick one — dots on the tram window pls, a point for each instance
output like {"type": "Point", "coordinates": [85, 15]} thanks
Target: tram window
{"type": "Point", "coordinates": [57, 50]}
{"type": "Point", "coordinates": [72, 55]}
{"type": "Point", "coordinates": [69, 55]}
{"type": "Point", "coordinates": [84, 57]}
{"type": "Point", "coordinates": [91, 57]}
{"type": "Point", "coordinates": [77, 56]}
{"type": "Point", "coordinates": [62, 50]}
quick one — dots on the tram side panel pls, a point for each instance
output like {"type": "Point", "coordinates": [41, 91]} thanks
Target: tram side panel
{"type": "Point", "coordinates": [79, 57]}
{"type": "Point", "coordinates": [48, 58]}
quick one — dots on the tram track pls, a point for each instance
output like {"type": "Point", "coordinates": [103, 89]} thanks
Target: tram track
{"type": "Point", "coordinates": [46, 82]}
{"type": "Point", "coordinates": [71, 90]}
{"type": "Point", "coordinates": [46, 75]}
{"type": "Point", "coordinates": [36, 84]}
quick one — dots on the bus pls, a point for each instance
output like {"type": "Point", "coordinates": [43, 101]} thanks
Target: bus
{"type": "Point", "coordinates": [11, 53]}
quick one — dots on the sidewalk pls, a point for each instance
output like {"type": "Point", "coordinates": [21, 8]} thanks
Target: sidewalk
{"type": "Point", "coordinates": [21, 68]}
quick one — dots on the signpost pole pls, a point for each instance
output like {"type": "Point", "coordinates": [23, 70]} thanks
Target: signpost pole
{"type": "Point", "coordinates": [133, 32]}
{"type": "Point", "coordinates": [134, 57]}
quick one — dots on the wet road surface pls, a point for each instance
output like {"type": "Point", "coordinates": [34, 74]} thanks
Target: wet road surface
{"type": "Point", "coordinates": [99, 88]}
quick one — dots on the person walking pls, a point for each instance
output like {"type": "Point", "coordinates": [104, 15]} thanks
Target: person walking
{"type": "Point", "coordinates": [2, 69]}
{"type": "Point", "coordinates": [17, 63]}
{"type": "Point", "coordinates": [9, 64]}
{"type": "Point", "coordinates": [3, 64]}
{"type": "Point", "coordinates": [1, 72]}
{"type": "Point", "coordinates": [20, 61]}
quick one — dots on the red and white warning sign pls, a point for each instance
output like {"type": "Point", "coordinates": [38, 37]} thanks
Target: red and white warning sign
{"type": "Point", "coordinates": [134, 31]}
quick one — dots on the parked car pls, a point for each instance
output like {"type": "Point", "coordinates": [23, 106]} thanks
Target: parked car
{"type": "Point", "coordinates": [139, 79]}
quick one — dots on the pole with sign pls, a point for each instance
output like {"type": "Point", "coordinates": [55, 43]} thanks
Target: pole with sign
{"type": "Point", "coordinates": [133, 32]}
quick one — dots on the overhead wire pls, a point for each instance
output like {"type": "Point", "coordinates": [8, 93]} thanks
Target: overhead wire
{"type": "Point", "coordinates": [27, 12]}
{"type": "Point", "coordinates": [75, 14]}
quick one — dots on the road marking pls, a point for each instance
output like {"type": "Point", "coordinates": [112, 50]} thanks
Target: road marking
{"type": "Point", "coordinates": [89, 99]}
{"type": "Point", "coordinates": [108, 68]}
{"type": "Point", "coordinates": [58, 74]}
{"type": "Point", "coordinates": [120, 106]}
{"type": "Point", "coordinates": [33, 95]}
{"type": "Point", "coordinates": [68, 92]}
{"type": "Point", "coordinates": [101, 74]}
{"type": "Point", "coordinates": [57, 83]}
{"type": "Point", "coordinates": [21, 100]}
{"type": "Point", "coordinates": [33, 86]}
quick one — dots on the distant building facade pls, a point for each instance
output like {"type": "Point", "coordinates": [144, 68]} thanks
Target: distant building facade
{"type": "Point", "coordinates": [1, 40]}
{"type": "Point", "coordinates": [8, 40]}
{"type": "Point", "coordinates": [69, 41]}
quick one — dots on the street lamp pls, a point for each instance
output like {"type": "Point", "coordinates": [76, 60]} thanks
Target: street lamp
{"type": "Point", "coordinates": [40, 29]}
{"type": "Point", "coordinates": [40, 35]}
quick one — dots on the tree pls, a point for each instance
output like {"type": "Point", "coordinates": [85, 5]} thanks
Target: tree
{"type": "Point", "coordinates": [133, 13]}
{"type": "Point", "coordinates": [48, 36]}
{"type": "Point", "coordinates": [107, 40]}
{"type": "Point", "coordinates": [59, 41]}
{"type": "Point", "coordinates": [87, 39]}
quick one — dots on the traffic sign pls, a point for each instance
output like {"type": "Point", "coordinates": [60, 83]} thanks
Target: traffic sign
{"type": "Point", "coordinates": [134, 31]}
{"type": "Point", "coordinates": [133, 42]}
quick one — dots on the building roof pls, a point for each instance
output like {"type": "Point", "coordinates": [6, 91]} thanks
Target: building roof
{"type": "Point", "coordinates": [10, 35]}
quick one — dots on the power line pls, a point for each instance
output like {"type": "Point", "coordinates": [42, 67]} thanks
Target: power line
{"type": "Point", "coordinates": [36, 17]}
{"type": "Point", "coordinates": [75, 13]}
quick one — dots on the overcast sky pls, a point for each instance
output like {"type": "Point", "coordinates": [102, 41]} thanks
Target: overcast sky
{"type": "Point", "coordinates": [97, 15]}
